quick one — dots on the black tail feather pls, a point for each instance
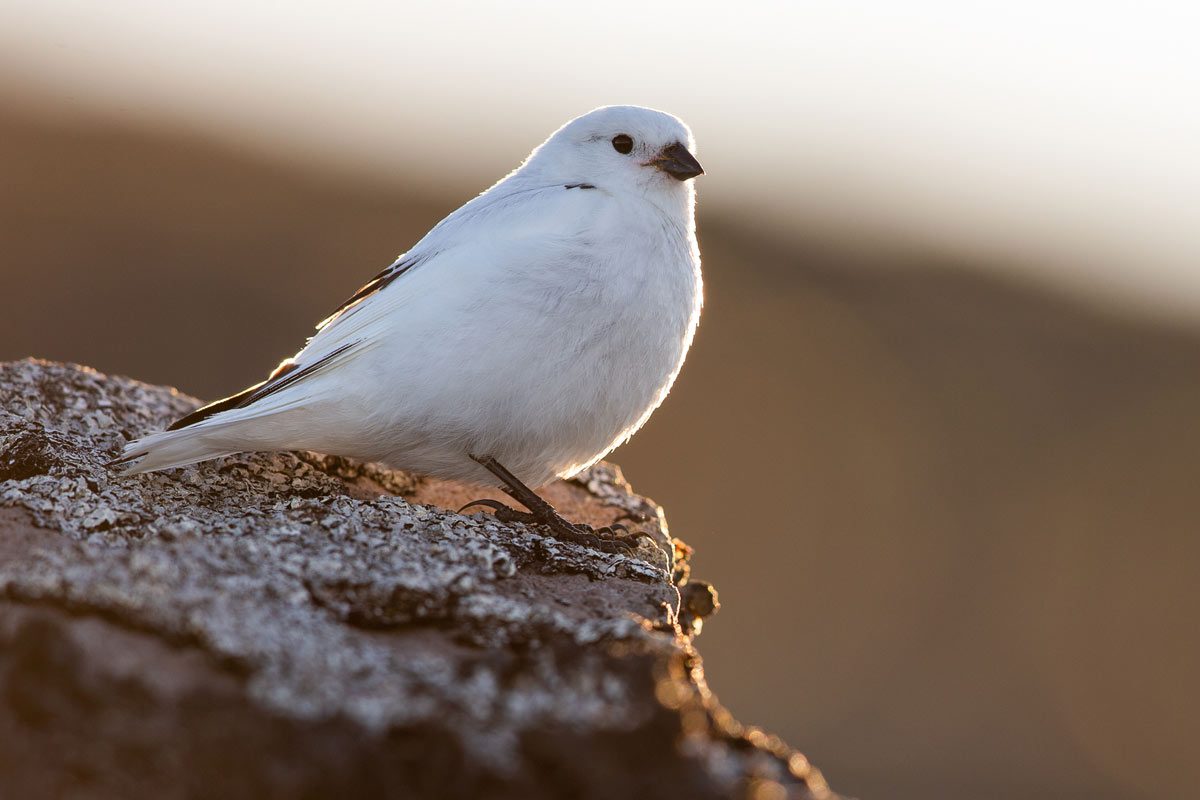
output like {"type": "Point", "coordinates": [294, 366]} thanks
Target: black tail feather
{"type": "Point", "coordinates": [116, 462]}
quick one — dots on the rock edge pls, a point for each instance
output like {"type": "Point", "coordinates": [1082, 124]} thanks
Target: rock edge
{"type": "Point", "coordinates": [283, 625]}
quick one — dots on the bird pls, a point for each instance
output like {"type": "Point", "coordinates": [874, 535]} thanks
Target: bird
{"type": "Point", "coordinates": [523, 338]}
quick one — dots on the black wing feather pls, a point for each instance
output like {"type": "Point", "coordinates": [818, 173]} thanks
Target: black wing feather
{"type": "Point", "coordinates": [376, 284]}
{"type": "Point", "coordinates": [283, 376]}
{"type": "Point", "coordinates": [288, 372]}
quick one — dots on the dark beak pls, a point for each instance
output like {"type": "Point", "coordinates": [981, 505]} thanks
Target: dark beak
{"type": "Point", "coordinates": [676, 161]}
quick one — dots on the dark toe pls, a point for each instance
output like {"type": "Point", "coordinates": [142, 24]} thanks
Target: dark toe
{"type": "Point", "coordinates": [502, 512]}
{"type": "Point", "coordinates": [495, 505]}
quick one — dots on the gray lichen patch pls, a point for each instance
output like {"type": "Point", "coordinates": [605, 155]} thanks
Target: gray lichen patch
{"type": "Point", "coordinates": [331, 599]}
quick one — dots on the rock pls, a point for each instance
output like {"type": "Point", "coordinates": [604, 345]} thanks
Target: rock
{"type": "Point", "coordinates": [297, 625]}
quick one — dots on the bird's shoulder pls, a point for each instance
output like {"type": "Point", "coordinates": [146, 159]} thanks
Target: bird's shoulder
{"type": "Point", "coordinates": [514, 224]}
{"type": "Point", "coordinates": [519, 208]}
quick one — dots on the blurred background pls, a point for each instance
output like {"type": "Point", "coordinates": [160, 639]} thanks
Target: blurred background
{"type": "Point", "coordinates": [937, 443]}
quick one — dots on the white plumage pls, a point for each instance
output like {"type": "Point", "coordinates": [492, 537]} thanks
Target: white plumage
{"type": "Point", "coordinates": [540, 324]}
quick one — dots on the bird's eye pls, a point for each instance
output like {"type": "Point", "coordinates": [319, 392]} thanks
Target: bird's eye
{"type": "Point", "coordinates": [622, 143]}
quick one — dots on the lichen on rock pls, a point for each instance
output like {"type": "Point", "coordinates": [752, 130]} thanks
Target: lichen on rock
{"type": "Point", "coordinates": [337, 618]}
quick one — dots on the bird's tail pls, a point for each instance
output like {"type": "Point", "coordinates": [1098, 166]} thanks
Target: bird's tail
{"type": "Point", "coordinates": [176, 449]}
{"type": "Point", "coordinates": [278, 425]}
{"type": "Point", "coordinates": [274, 415]}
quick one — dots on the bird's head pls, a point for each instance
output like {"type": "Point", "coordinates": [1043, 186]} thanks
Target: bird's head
{"type": "Point", "coordinates": [622, 147]}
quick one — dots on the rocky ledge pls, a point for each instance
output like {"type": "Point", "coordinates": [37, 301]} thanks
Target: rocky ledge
{"type": "Point", "coordinates": [297, 625]}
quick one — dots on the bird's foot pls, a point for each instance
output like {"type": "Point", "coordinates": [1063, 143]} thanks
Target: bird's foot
{"type": "Point", "coordinates": [615, 538]}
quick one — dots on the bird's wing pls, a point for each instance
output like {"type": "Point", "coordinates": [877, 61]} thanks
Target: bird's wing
{"type": "Point", "coordinates": [377, 284]}
{"type": "Point", "coordinates": [354, 325]}
{"type": "Point", "coordinates": [336, 339]}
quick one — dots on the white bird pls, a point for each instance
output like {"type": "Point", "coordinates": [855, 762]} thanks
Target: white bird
{"type": "Point", "coordinates": [524, 337]}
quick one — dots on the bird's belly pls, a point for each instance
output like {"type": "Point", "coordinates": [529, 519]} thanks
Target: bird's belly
{"type": "Point", "coordinates": [543, 401]}
{"type": "Point", "coordinates": [571, 417]}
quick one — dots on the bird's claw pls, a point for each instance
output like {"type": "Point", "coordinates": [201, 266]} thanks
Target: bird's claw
{"type": "Point", "coordinates": [495, 505]}
{"type": "Point", "coordinates": [627, 536]}
{"type": "Point", "coordinates": [602, 539]}
{"type": "Point", "coordinates": [614, 538]}
{"type": "Point", "coordinates": [502, 512]}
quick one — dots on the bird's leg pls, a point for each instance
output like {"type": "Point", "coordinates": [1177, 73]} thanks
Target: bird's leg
{"type": "Point", "coordinates": [542, 513]}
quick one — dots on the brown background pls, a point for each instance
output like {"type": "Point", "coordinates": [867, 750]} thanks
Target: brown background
{"type": "Point", "coordinates": [952, 519]}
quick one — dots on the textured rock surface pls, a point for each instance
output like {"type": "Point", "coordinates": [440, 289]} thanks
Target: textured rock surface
{"type": "Point", "coordinates": [297, 625]}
